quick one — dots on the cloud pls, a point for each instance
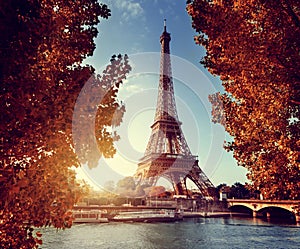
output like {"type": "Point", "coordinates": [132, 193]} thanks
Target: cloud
{"type": "Point", "coordinates": [133, 88]}
{"type": "Point", "coordinates": [130, 89]}
{"type": "Point", "coordinates": [130, 9]}
{"type": "Point", "coordinates": [131, 84]}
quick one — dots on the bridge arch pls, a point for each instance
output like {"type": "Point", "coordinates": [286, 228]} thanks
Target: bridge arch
{"type": "Point", "coordinates": [245, 205]}
{"type": "Point", "coordinates": [286, 209]}
{"type": "Point", "coordinates": [277, 212]}
{"type": "Point", "coordinates": [241, 209]}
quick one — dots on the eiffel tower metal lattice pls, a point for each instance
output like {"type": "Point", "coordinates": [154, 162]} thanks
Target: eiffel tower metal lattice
{"type": "Point", "coordinates": [167, 154]}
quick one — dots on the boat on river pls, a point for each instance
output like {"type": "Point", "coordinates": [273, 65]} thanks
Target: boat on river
{"type": "Point", "coordinates": [148, 216]}
{"type": "Point", "coordinates": [89, 216]}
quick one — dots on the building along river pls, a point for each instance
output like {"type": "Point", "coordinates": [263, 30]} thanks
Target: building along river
{"type": "Point", "coordinates": [208, 233]}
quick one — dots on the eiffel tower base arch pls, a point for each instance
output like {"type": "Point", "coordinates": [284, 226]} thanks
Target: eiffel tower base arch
{"type": "Point", "coordinates": [176, 169]}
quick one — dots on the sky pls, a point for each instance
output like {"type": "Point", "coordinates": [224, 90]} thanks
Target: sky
{"type": "Point", "coordinates": [134, 29]}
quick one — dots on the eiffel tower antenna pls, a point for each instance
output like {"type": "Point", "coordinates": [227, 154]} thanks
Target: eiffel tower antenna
{"type": "Point", "coordinates": [167, 153]}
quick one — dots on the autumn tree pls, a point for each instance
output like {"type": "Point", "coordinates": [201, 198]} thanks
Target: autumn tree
{"type": "Point", "coordinates": [254, 47]}
{"type": "Point", "coordinates": [97, 111]}
{"type": "Point", "coordinates": [43, 44]}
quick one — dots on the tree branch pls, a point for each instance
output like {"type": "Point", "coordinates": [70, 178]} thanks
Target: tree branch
{"type": "Point", "coordinates": [287, 6]}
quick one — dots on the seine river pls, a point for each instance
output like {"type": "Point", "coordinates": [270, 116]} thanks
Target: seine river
{"type": "Point", "coordinates": [190, 233]}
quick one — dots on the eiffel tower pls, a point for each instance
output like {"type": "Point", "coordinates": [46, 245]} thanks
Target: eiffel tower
{"type": "Point", "coordinates": [167, 154]}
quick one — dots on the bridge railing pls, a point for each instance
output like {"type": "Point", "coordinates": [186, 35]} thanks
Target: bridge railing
{"type": "Point", "coordinates": [265, 201]}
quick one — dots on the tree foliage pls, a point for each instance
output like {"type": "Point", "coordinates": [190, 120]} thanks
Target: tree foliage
{"type": "Point", "coordinates": [43, 44]}
{"type": "Point", "coordinates": [97, 110]}
{"type": "Point", "coordinates": [127, 184]}
{"type": "Point", "coordinates": [109, 186]}
{"type": "Point", "coordinates": [239, 191]}
{"type": "Point", "coordinates": [254, 47]}
{"type": "Point", "coordinates": [157, 191]}
{"type": "Point", "coordinates": [236, 191]}
{"type": "Point", "coordinates": [220, 186]}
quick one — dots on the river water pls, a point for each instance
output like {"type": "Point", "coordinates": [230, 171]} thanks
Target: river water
{"type": "Point", "coordinates": [219, 233]}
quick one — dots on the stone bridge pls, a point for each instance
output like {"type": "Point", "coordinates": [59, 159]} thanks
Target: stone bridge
{"type": "Point", "coordinates": [257, 206]}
